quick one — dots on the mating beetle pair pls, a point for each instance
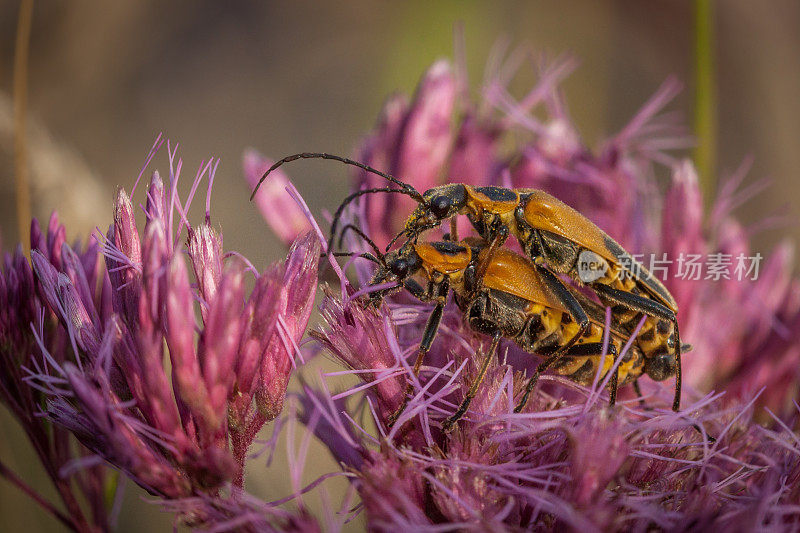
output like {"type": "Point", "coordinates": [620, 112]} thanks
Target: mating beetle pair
{"type": "Point", "coordinates": [510, 300]}
{"type": "Point", "coordinates": [558, 240]}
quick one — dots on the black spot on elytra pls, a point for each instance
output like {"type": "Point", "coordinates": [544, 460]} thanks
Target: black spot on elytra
{"type": "Point", "coordinates": [498, 194]}
{"type": "Point", "coordinates": [448, 248]}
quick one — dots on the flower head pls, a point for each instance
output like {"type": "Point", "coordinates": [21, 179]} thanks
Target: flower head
{"type": "Point", "coordinates": [102, 321]}
{"type": "Point", "coordinates": [44, 309]}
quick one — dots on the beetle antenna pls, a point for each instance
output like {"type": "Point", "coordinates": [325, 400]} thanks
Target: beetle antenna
{"type": "Point", "coordinates": [355, 229]}
{"type": "Point", "coordinates": [394, 239]}
{"type": "Point", "coordinates": [350, 198]}
{"type": "Point", "coordinates": [409, 190]}
{"type": "Point", "coordinates": [365, 255]}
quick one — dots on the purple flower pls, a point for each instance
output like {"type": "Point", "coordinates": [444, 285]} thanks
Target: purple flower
{"type": "Point", "coordinates": [412, 140]}
{"type": "Point", "coordinates": [89, 347]}
{"type": "Point", "coordinates": [26, 321]}
{"type": "Point", "coordinates": [567, 461]}
{"type": "Point", "coordinates": [358, 339]}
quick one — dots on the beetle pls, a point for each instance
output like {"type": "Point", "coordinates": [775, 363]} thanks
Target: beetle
{"type": "Point", "coordinates": [552, 234]}
{"type": "Point", "coordinates": [511, 300]}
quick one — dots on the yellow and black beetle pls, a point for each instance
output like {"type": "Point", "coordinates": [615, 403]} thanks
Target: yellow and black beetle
{"type": "Point", "coordinates": [552, 234]}
{"type": "Point", "coordinates": [512, 300]}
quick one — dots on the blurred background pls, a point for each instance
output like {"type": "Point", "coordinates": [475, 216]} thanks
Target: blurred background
{"type": "Point", "coordinates": [106, 77]}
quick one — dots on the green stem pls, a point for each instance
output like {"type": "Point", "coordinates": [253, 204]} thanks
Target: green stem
{"type": "Point", "coordinates": [705, 104]}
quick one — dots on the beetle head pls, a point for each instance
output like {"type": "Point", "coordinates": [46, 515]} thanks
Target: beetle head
{"type": "Point", "coordinates": [398, 265]}
{"type": "Point", "coordinates": [439, 204]}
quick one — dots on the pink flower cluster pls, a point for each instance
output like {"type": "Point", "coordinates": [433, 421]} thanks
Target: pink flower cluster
{"type": "Point", "coordinates": [567, 461]}
{"type": "Point", "coordinates": [164, 368]}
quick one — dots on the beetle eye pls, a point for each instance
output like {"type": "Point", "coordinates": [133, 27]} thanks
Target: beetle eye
{"type": "Point", "coordinates": [399, 268]}
{"type": "Point", "coordinates": [440, 206]}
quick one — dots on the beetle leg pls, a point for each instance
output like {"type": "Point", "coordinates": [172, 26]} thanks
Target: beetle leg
{"type": "Point", "coordinates": [471, 281]}
{"type": "Point", "coordinates": [454, 229]}
{"type": "Point", "coordinates": [575, 311]}
{"type": "Point", "coordinates": [573, 306]}
{"type": "Point", "coordinates": [595, 349]}
{"type": "Point", "coordinates": [614, 384]}
{"type": "Point", "coordinates": [676, 402]}
{"type": "Point", "coordinates": [578, 350]}
{"type": "Point", "coordinates": [416, 290]}
{"type": "Point", "coordinates": [534, 378]}
{"type": "Point", "coordinates": [638, 390]}
{"type": "Point", "coordinates": [612, 396]}
{"type": "Point", "coordinates": [652, 308]}
{"type": "Point", "coordinates": [497, 241]}
{"type": "Point", "coordinates": [634, 302]}
{"type": "Point", "coordinates": [473, 389]}
{"type": "Point", "coordinates": [428, 335]}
